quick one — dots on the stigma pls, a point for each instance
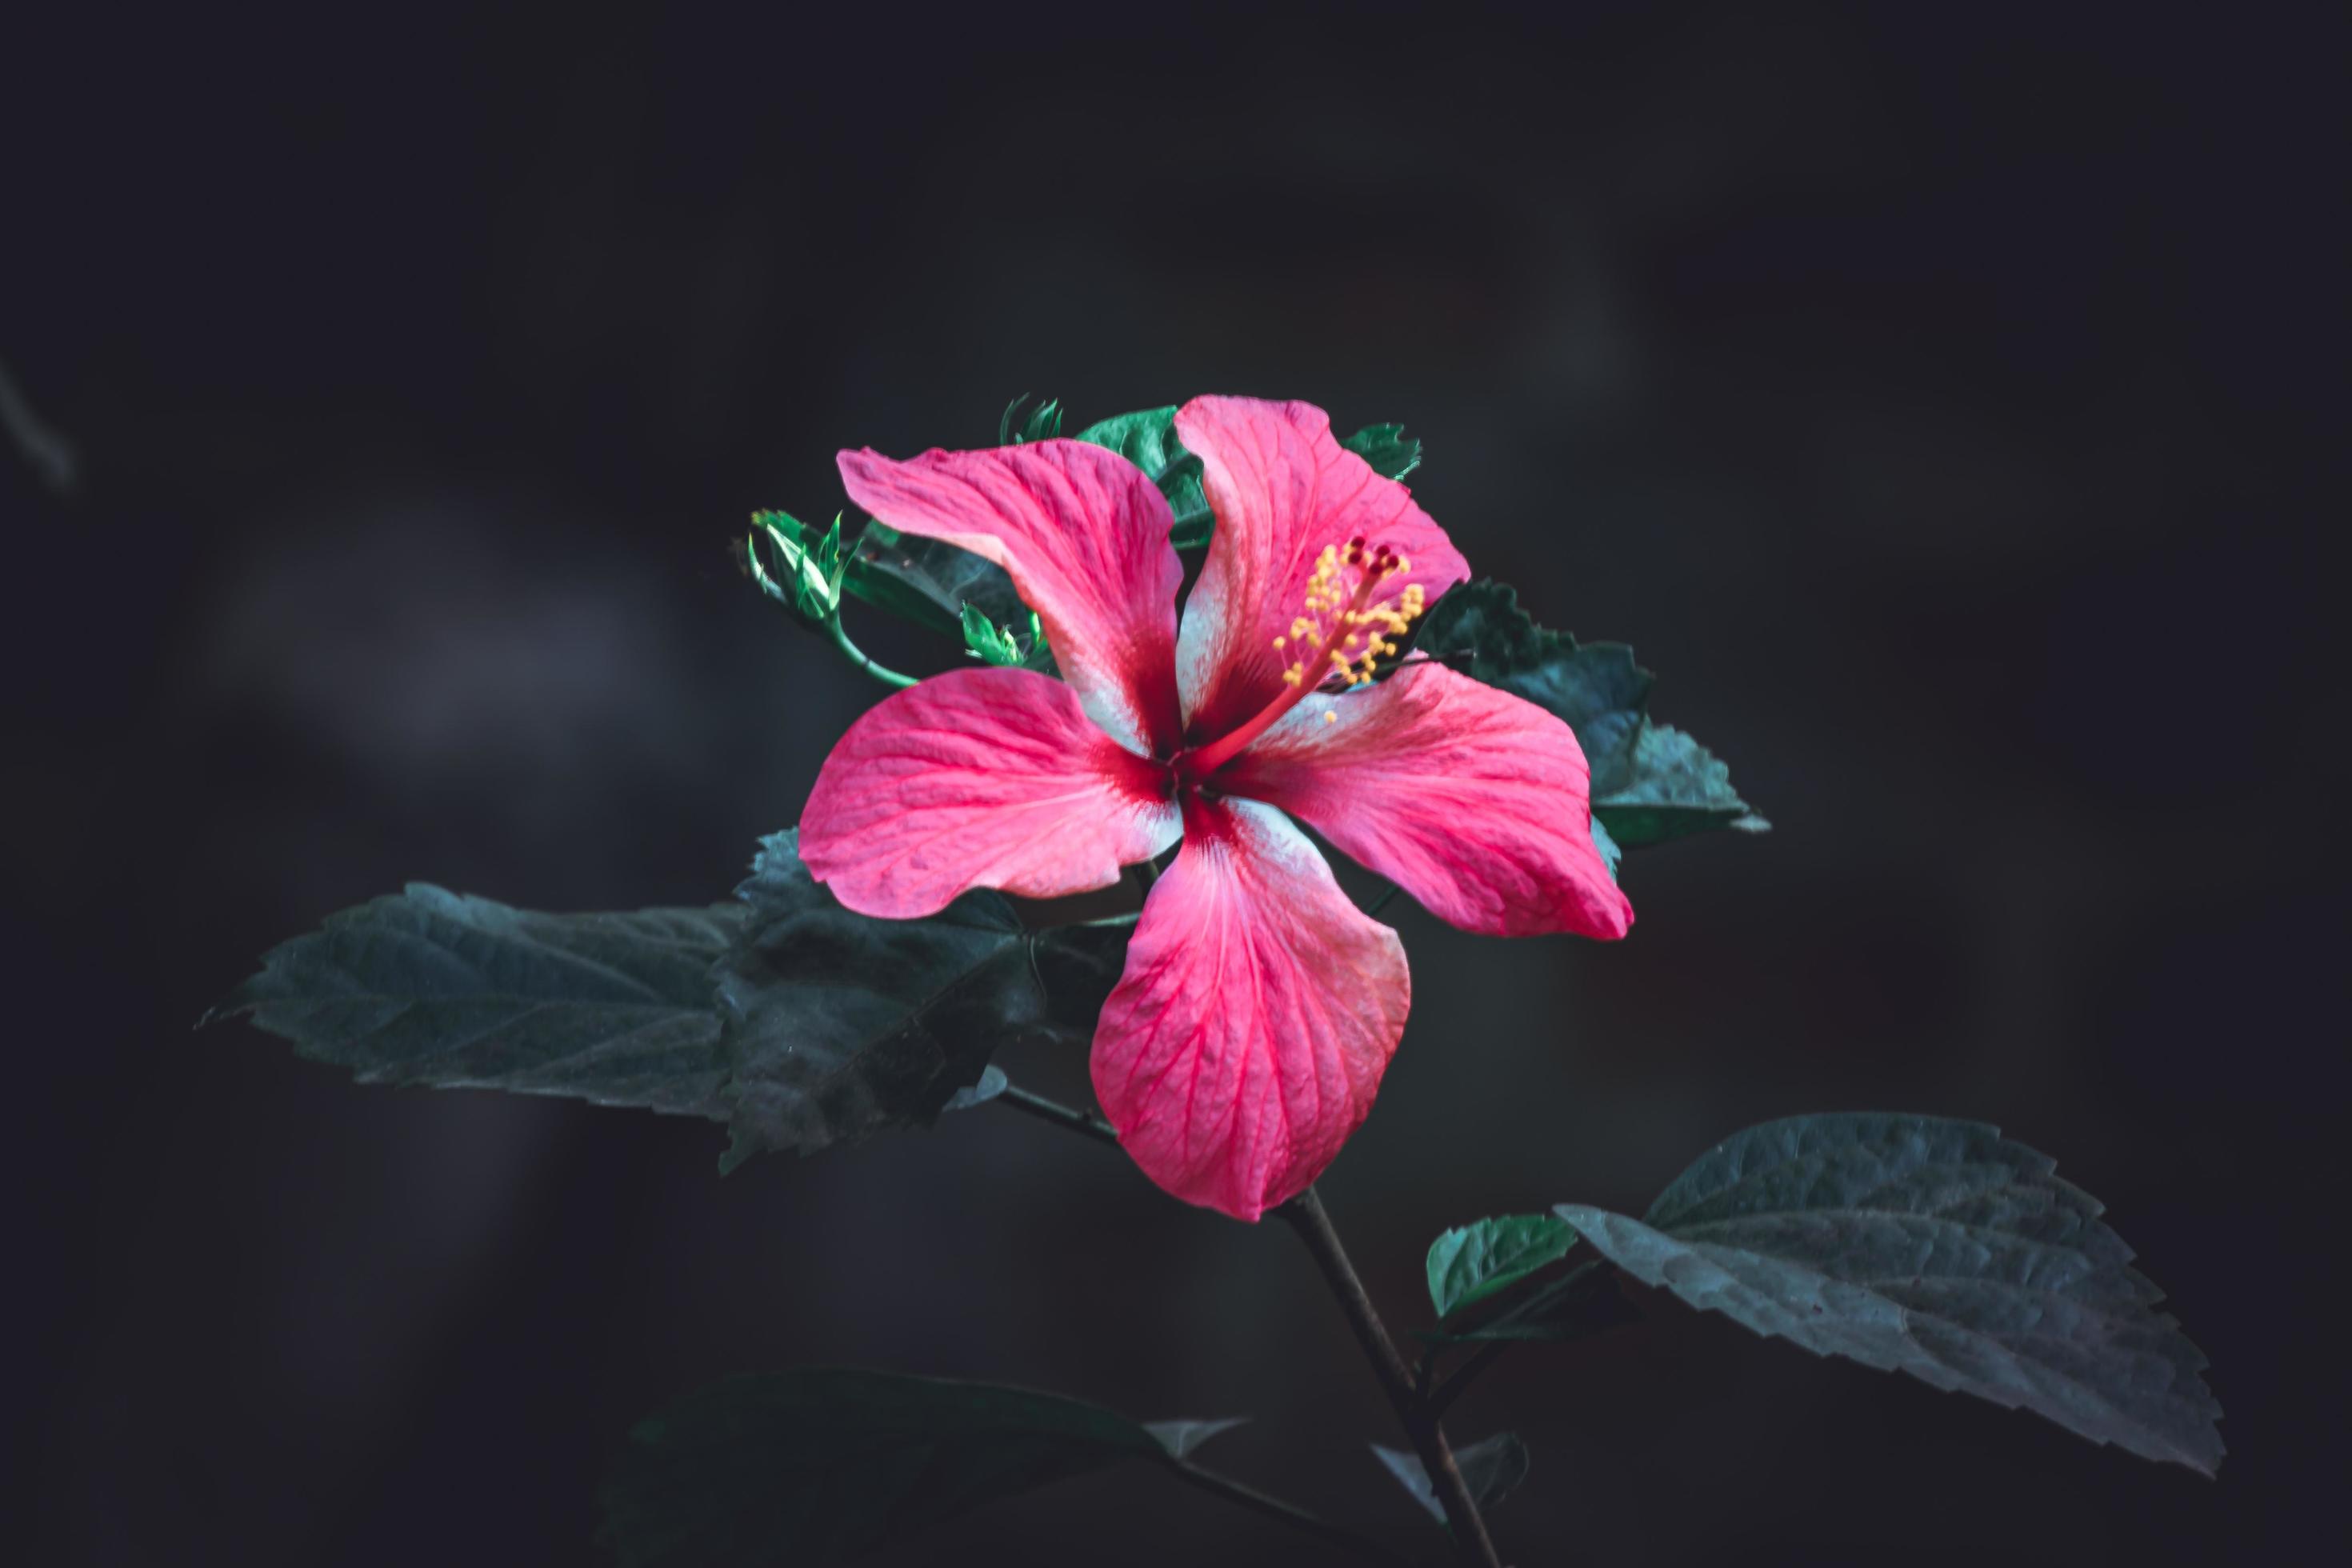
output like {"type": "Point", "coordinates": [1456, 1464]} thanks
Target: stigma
{"type": "Point", "coordinates": [1347, 625]}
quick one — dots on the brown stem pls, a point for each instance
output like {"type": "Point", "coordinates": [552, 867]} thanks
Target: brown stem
{"type": "Point", "coordinates": [1471, 1542]}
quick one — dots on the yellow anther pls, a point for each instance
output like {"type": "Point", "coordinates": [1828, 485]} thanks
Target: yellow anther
{"type": "Point", "coordinates": [1329, 718]}
{"type": "Point", "coordinates": [1348, 621]}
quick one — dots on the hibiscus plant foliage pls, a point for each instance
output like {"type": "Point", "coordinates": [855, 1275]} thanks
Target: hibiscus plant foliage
{"type": "Point", "coordinates": [1335, 664]}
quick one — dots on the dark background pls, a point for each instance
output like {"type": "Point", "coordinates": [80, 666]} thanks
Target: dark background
{"type": "Point", "coordinates": [1935, 402]}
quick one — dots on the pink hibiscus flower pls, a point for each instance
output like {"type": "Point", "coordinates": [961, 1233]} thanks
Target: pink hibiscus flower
{"type": "Point", "coordinates": [1259, 1006]}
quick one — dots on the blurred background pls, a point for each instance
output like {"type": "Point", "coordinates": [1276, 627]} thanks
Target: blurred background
{"type": "Point", "coordinates": [1936, 401]}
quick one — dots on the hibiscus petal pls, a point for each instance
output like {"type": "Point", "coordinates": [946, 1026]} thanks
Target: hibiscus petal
{"type": "Point", "coordinates": [1083, 535]}
{"type": "Point", "coordinates": [978, 778]}
{"type": "Point", "coordinates": [1258, 1009]}
{"type": "Point", "coordinates": [1282, 488]}
{"type": "Point", "coordinates": [1471, 800]}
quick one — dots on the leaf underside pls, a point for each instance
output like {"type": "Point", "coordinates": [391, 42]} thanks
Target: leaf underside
{"type": "Point", "coordinates": [1932, 1247]}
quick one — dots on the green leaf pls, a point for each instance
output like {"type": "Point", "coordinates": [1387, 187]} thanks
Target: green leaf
{"type": "Point", "coordinates": [1181, 1437]}
{"type": "Point", "coordinates": [433, 988]}
{"type": "Point", "coordinates": [838, 1026]}
{"type": "Point", "coordinates": [1042, 423]}
{"type": "Point", "coordinates": [1472, 1262]}
{"type": "Point", "coordinates": [1650, 783]}
{"type": "Point", "coordinates": [1148, 439]}
{"type": "Point", "coordinates": [826, 1465]}
{"type": "Point", "coordinates": [1392, 453]}
{"type": "Point", "coordinates": [1931, 1247]}
{"type": "Point", "coordinates": [1492, 1469]}
{"type": "Point", "coordinates": [1577, 1305]}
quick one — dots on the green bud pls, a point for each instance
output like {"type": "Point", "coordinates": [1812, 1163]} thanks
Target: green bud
{"type": "Point", "coordinates": [989, 642]}
{"type": "Point", "coordinates": [809, 574]}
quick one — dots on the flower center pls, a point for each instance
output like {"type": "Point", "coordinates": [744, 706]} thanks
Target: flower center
{"type": "Point", "coordinates": [1348, 623]}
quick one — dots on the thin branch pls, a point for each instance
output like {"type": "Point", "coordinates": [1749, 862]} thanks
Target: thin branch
{"type": "Point", "coordinates": [1306, 1217]}
{"type": "Point", "coordinates": [1377, 905]}
{"type": "Point", "coordinates": [1084, 1123]}
{"type": "Point", "coordinates": [1297, 1518]}
{"type": "Point", "coordinates": [1464, 1375]}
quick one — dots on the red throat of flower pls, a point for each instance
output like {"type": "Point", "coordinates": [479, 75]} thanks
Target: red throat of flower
{"type": "Point", "coordinates": [1347, 625]}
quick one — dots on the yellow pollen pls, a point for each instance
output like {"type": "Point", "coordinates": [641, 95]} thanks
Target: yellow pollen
{"type": "Point", "coordinates": [1331, 718]}
{"type": "Point", "coordinates": [1346, 612]}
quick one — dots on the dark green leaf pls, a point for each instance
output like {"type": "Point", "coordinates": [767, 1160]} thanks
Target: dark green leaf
{"type": "Point", "coordinates": [838, 1026]}
{"type": "Point", "coordinates": [826, 1465]}
{"type": "Point", "coordinates": [930, 582]}
{"type": "Point", "coordinates": [1650, 783]}
{"type": "Point", "coordinates": [1491, 1469]}
{"type": "Point", "coordinates": [1181, 1437]}
{"type": "Point", "coordinates": [1676, 787]}
{"type": "Point", "coordinates": [1472, 1262]}
{"type": "Point", "coordinates": [441, 990]}
{"type": "Point", "coordinates": [1579, 1304]}
{"type": "Point", "coordinates": [1936, 1248]}
{"type": "Point", "coordinates": [434, 988]}
{"type": "Point", "coordinates": [1148, 439]}
{"type": "Point", "coordinates": [1392, 453]}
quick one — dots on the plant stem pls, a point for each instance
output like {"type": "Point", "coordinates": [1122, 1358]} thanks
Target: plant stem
{"type": "Point", "coordinates": [1471, 1542]}
{"type": "Point", "coordinates": [1084, 1123]}
{"type": "Point", "coordinates": [1417, 1413]}
{"type": "Point", "coordinates": [856, 655]}
{"type": "Point", "coordinates": [1465, 1375]}
{"type": "Point", "coordinates": [1289, 1513]}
